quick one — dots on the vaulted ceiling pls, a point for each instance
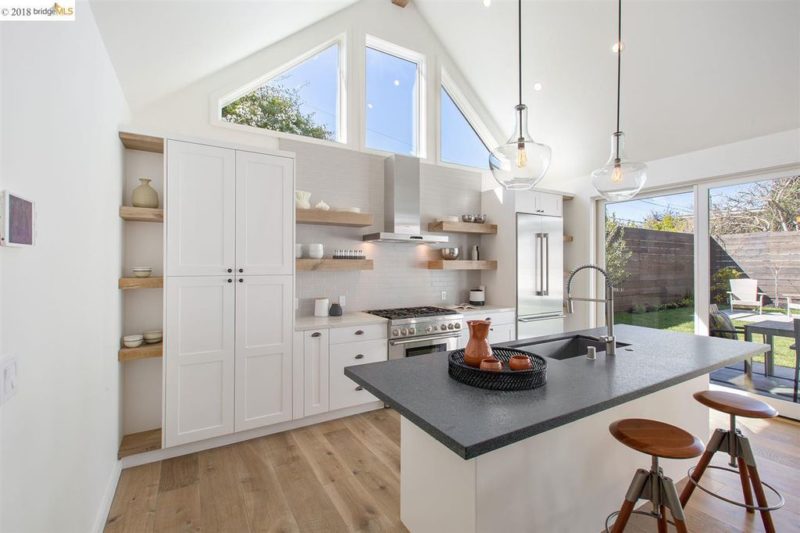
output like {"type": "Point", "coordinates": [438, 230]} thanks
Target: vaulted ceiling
{"type": "Point", "coordinates": [696, 74]}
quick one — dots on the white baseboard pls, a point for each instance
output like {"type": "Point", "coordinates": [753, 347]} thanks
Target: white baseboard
{"type": "Point", "coordinates": [184, 449]}
{"type": "Point", "coordinates": [108, 499]}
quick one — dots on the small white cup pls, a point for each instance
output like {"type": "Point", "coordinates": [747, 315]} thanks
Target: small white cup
{"type": "Point", "coordinates": [316, 251]}
{"type": "Point", "coordinates": [321, 306]}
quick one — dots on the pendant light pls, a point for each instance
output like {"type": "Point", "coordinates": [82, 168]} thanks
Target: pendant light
{"type": "Point", "coordinates": [619, 179]}
{"type": "Point", "coordinates": [521, 162]}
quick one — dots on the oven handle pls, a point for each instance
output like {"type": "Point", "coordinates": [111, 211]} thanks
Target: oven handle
{"type": "Point", "coordinates": [419, 339]}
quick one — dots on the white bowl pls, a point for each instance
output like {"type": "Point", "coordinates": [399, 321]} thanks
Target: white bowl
{"type": "Point", "coordinates": [132, 341]}
{"type": "Point", "coordinates": [152, 337]}
{"type": "Point", "coordinates": [142, 272]}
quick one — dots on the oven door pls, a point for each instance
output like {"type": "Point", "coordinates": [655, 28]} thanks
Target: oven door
{"type": "Point", "coordinates": [421, 345]}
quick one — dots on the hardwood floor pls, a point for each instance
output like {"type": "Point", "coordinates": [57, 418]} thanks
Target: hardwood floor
{"type": "Point", "coordinates": [344, 475]}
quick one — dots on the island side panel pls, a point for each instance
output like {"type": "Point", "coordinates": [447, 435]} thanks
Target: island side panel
{"type": "Point", "coordinates": [570, 478]}
{"type": "Point", "coordinates": [437, 487]}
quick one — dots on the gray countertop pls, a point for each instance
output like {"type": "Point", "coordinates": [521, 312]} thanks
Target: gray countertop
{"type": "Point", "coordinates": [473, 421]}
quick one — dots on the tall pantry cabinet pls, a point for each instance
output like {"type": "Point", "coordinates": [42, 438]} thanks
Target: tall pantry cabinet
{"type": "Point", "coordinates": [229, 291]}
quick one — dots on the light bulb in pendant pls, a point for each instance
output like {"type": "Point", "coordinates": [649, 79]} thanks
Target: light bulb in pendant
{"type": "Point", "coordinates": [521, 162]}
{"type": "Point", "coordinates": [522, 155]}
{"type": "Point", "coordinates": [616, 176]}
{"type": "Point", "coordinates": [619, 179]}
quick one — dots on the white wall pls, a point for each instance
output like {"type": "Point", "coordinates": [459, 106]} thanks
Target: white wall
{"type": "Point", "coordinates": [345, 178]}
{"type": "Point", "coordinates": [760, 154]}
{"type": "Point", "coordinates": [61, 108]}
{"type": "Point", "coordinates": [188, 110]}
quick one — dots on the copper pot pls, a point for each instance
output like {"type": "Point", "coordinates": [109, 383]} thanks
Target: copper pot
{"type": "Point", "coordinates": [478, 347]}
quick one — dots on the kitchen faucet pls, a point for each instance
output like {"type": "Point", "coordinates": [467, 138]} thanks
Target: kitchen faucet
{"type": "Point", "coordinates": [611, 344]}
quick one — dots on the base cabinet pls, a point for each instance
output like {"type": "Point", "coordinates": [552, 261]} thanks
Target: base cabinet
{"type": "Point", "coordinates": [315, 372]}
{"type": "Point", "coordinates": [503, 327]}
{"type": "Point", "coordinates": [344, 392]}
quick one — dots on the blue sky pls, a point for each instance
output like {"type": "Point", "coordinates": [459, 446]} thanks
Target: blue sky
{"type": "Point", "coordinates": [391, 94]}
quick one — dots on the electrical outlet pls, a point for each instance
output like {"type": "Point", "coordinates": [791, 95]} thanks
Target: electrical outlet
{"type": "Point", "coordinates": [444, 296]}
{"type": "Point", "coordinates": [8, 378]}
{"type": "Point", "coordinates": [342, 300]}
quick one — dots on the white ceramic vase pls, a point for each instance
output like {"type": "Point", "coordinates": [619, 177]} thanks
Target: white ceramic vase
{"type": "Point", "coordinates": [302, 199]}
{"type": "Point", "coordinates": [144, 195]}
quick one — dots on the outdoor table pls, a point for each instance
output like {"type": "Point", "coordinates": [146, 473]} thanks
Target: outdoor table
{"type": "Point", "coordinates": [789, 305]}
{"type": "Point", "coordinates": [770, 329]}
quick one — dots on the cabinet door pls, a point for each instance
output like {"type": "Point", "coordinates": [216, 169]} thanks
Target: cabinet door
{"type": "Point", "coordinates": [549, 204]}
{"type": "Point", "coordinates": [316, 364]}
{"type": "Point", "coordinates": [264, 214]}
{"type": "Point", "coordinates": [344, 392]}
{"type": "Point", "coordinates": [263, 350]}
{"type": "Point", "coordinates": [201, 209]}
{"type": "Point", "coordinates": [501, 333]}
{"type": "Point", "coordinates": [199, 358]}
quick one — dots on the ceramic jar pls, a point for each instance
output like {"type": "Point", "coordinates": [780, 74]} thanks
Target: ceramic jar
{"type": "Point", "coordinates": [315, 251]}
{"type": "Point", "coordinates": [478, 347]}
{"type": "Point", "coordinates": [302, 199]}
{"type": "Point", "coordinates": [144, 195]}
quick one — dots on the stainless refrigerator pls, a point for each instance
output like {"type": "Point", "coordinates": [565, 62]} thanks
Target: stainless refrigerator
{"type": "Point", "coordinates": [540, 275]}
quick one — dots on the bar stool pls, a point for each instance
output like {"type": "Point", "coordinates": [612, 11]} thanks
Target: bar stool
{"type": "Point", "coordinates": [737, 446]}
{"type": "Point", "coordinates": [658, 440]}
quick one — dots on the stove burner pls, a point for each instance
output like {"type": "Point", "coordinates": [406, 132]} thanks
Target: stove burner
{"type": "Point", "coordinates": [411, 312]}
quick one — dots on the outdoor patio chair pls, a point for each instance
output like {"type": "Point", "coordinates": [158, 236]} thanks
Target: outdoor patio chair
{"type": "Point", "coordinates": [744, 293]}
{"type": "Point", "coordinates": [796, 356]}
{"type": "Point", "coordinates": [721, 325]}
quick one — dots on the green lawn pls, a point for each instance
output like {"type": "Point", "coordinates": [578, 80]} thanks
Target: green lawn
{"type": "Point", "coordinates": [682, 319]}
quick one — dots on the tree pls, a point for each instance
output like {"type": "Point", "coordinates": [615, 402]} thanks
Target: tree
{"type": "Point", "coordinates": [617, 252]}
{"type": "Point", "coordinates": [275, 107]}
{"type": "Point", "coordinates": [771, 205]}
{"type": "Point", "coordinates": [668, 220]}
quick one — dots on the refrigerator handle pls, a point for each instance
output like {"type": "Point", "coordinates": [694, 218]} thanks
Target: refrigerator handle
{"type": "Point", "coordinates": [546, 263]}
{"type": "Point", "coordinates": [538, 281]}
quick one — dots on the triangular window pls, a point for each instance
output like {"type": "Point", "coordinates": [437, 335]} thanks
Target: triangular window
{"type": "Point", "coordinates": [303, 99]}
{"type": "Point", "coordinates": [460, 143]}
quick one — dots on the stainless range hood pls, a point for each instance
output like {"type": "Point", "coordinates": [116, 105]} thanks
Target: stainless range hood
{"type": "Point", "coordinates": [401, 199]}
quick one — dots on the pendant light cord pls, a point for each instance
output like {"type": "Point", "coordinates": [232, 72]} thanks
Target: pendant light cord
{"type": "Point", "coordinates": [619, 69]}
{"type": "Point", "coordinates": [519, 46]}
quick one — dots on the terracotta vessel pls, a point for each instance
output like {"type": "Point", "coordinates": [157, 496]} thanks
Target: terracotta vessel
{"type": "Point", "coordinates": [478, 347]}
{"type": "Point", "coordinates": [490, 364]}
{"type": "Point", "coordinates": [520, 362]}
{"type": "Point", "coordinates": [144, 195]}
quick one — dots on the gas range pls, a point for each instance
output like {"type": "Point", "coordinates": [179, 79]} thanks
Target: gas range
{"type": "Point", "coordinates": [409, 322]}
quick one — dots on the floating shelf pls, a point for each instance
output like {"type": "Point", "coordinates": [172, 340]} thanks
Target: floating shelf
{"type": "Point", "coordinates": [333, 265]}
{"type": "Point", "coordinates": [463, 227]}
{"type": "Point", "coordinates": [445, 264]}
{"type": "Point", "coordinates": [145, 143]}
{"type": "Point", "coordinates": [333, 218]}
{"type": "Point", "coordinates": [568, 238]}
{"type": "Point", "coordinates": [141, 214]}
{"type": "Point", "coordinates": [141, 283]}
{"type": "Point", "coordinates": [145, 441]}
{"type": "Point", "coordinates": [145, 351]}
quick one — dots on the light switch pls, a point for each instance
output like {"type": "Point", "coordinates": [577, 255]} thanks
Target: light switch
{"type": "Point", "coordinates": [342, 300]}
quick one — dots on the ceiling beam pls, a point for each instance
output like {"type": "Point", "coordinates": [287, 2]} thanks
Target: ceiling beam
{"type": "Point", "coordinates": [401, 3]}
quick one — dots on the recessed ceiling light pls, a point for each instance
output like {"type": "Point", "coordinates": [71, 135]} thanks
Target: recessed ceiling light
{"type": "Point", "coordinates": [396, 83]}
{"type": "Point", "coordinates": [616, 47]}
{"type": "Point", "coordinates": [537, 86]}
{"type": "Point", "coordinates": [487, 3]}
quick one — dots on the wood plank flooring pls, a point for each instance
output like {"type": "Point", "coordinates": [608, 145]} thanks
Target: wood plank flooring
{"type": "Point", "coordinates": [344, 475]}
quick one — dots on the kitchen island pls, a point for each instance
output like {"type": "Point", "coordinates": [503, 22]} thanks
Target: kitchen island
{"type": "Point", "coordinates": [542, 460]}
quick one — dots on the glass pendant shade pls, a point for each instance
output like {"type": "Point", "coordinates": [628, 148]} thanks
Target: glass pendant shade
{"type": "Point", "coordinates": [619, 179]}
{"type": "Point", "coordinates": [520, 163]}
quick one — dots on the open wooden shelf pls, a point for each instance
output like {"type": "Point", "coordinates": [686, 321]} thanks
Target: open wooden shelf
{"type": "Point", "coordinates": [463, 227]}
{"type": "Point", "coordinates": [444, 264]}
{"type": "Point", "coordinates": [333, 218]}
{"type": "Point", "coordinates": [141, 283]}
{"type": "Point", "coordinates": [145, 143]}
{"type": "Point", "coordinates": [333, 265]}
{"type": "Point", "coordinates": [145, 441]}
{"type": "Point", "coordinates": [145, 351]}
{"type": "Point", "coordinates": [141, 214]}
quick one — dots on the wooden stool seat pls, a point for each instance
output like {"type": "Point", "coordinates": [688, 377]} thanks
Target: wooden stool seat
{"type": "Point", "coordinates": [735, 404]}
{"type": "Point", "coordinates": [656, 438]}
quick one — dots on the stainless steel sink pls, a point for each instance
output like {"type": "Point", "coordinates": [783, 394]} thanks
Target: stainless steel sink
{"type": "Point", "coordinates": [565, 347]}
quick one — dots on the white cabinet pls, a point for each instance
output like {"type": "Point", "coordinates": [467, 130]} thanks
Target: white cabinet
{"type": "Point", "coordinates": [548, 204]}
{"type": "Point", "coordinates": [264, 308]}
{"type": "Point", "coordinates": [264, 214]}
{"type": "Point", "coordinates": [503, 327]}
{"type": "Point", "coordinates": [501, 333]}
{"type": "Point", "coordinates": [199, 365]}
{"type": "Point", "coordinates": [201, 209]}
{"type": "Point", "coordinates": [315, 372]}
{"type": "Point", "coordinates": [344, 392]}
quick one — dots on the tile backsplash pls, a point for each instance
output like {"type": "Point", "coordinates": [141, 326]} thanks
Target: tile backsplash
{"type": "Point", "coordinates": [346, 178]}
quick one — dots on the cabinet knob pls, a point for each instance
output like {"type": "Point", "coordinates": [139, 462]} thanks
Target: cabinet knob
{"type": "Point", "coordinates": [360, 332]}
{"type": "Point", "coordinates": [230, 280]}
{"type": "Point", "coordinates": [230, 270]}
{"type": "Point", "coordinates": [241, 270]}
{"type": "Point", "coordinates": [360, 356]}
{"type": "Point", "coordinates": [316, 334]}
{"type": "Point", "coordinates": [359, 388]}
{"type": "Point", "coordinates": [241, 280]}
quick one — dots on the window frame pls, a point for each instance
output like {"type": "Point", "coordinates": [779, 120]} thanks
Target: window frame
{"type": "Point", "coordinates": [470, 114]}
{"type": "Point", "coordinates": [220, 101]}
{"type": "Point", "coordinates": [420, 129]}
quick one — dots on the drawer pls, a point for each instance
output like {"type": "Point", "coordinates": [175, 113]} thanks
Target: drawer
{"type": "Point", "coordinates": [358, 333]}
{"type": "Point", "coordinates": [344, 392]}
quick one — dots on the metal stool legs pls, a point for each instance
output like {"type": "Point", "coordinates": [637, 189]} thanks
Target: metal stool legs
{"type": "Point", "coordinates": [737, 446]}
{"type": "Point", "coordinates": [653, 486]}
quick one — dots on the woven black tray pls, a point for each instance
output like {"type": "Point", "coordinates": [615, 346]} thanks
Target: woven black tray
{"type": "Point", "coordinates": [506, 379]}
